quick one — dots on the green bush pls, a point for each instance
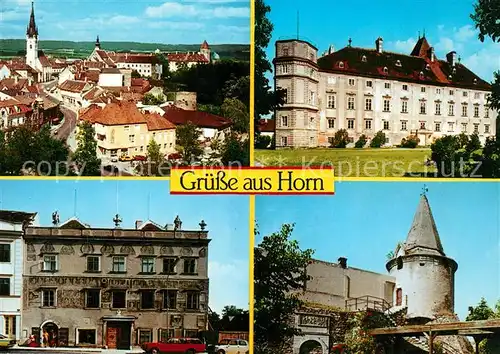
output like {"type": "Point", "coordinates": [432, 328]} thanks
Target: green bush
{"type": "Point", "coordinates": [262, 142]}
{"type": "Point", "coordinates": [361, 142]}
{"type": "Point", "coordinates": [340, 140]}
{"type": "Point", "coordinates": [378, 140]}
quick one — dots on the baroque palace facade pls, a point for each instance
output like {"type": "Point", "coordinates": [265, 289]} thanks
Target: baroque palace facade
{"type": "Point", "coordinates": [114, 288]}
{"type": "Point", "coordinates": [365, 90]}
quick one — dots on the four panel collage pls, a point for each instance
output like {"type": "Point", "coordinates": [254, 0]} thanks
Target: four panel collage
{"type": "Point", "coordinates": [145, 147]}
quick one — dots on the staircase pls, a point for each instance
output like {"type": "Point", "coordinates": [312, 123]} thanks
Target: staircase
{"type": "Point", "coordinates": [422, 343]}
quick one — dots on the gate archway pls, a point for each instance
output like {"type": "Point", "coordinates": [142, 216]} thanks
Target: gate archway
{"type": "Point", "coordinates": [311, 347]}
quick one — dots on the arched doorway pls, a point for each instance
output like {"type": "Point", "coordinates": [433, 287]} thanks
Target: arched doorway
{"type": "Point", "coordinates": [50, 334]}
{"type": "Point", "coordinates": [311, 347]}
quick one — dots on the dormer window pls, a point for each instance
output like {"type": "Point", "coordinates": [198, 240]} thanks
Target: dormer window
{"type": "Point", "coordinates": [475, 81]}
{"type": "Point", "coordinates": [398, 62]}
{"type": "Point", "coordinates": [427, 67]}
{"type": "Point", "coordinates": [341, 65]}
{"type": "Point", "coordinates": [421, 75]}
{"type": "Point", "coordinates": [386, 70]}
{"type": "Point", "coordinates": [454, 71]}
{"type": "Point", "coordinates": [363, 58]}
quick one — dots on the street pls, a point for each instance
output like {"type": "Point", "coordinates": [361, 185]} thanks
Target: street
{"type": "Point", "coordinates": [68, 124]}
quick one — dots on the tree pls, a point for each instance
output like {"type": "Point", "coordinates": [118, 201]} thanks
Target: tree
{"type": "Point", "coordinates": [263, 142]}
{"type": "Point", "coordinates": [239, 88]}
{"type": "Point", "coordinates": [135, 74]}
{"type": "Point", "coordinates": [280, 267]}
{"type": "Point", "coordinates": [361, 141]}
{"type": "Point", "coordinates": [165, 67]}
{"type": "Point", "coordinates": [188, 142]}
{"type": "Point", "coordinates": [265, 100]}
{"type": "Point", "coordinates": [410, 142]}
{"type": "Point", "coordinates": [235, 149]}
{"type": "Point", "coordinates": [85, 155]}
{"type": "Point", "coordinates": [490, 159]}
{"type": "Point", "coordinates": [480, 312]}
{"type": "Point", "coordinates": [236, 110]}
{"type": "Point", "coordinates": [155, 156]}
{"type": "Point", "coordinates": [486, 17]}
{"type": "Point", "coordinates": [340, 139]}
{"type": "Point", "coordinates": [151, 100]}
{"type": "Point", "coordinates": [378, 140]}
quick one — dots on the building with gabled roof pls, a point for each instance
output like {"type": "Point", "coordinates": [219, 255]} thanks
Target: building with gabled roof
{"type": "Point", "coordinates": [122, 129]}
{"type": "Point", "coordinates": [366, 90]}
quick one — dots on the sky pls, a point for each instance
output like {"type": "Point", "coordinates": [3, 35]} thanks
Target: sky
{"type": "Point", "coordinates": [446, 23]}
{"type": "Point", "coordinates": [148, 21]}
{"type": "Point", "coordinates": [364, 221]}
{"type": "Point", "coordinates": [97, 204]}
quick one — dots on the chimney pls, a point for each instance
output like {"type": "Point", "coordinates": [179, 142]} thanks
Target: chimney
{"type": "Point", "coordinates": [432, 56]}
{"type": "Point", "coordinates": [138, 224]}
{"type": "Point", "coordinates": [378, 44]}
{"type": "Point", "coordinates": [343, 262]}
{"type": "Point", "coordinates": [451, 58]}
{"type": "Point", "coordinates": [16, 79]}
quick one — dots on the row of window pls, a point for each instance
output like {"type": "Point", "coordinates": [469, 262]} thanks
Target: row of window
{"type": "Point", "coordinates": [404, 87]}
{"type": "Point", "coordinates": [119, 299]}
{"type": "Point", "coordinates": [404, 106]}
{"type": "Point", "coordinates": [119, 265]}
{"type": "Point", "coordinates": [404, 125]}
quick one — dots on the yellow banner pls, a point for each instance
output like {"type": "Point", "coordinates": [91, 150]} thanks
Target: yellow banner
{"type": "Point", "coordinates": [251, 180]}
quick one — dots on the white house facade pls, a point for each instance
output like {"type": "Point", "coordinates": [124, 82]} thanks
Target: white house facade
{"type": "Point", "coordinates": [11, 270]}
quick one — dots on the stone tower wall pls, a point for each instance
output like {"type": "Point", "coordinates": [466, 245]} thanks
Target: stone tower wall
{"type": "Point", "coordinates": [427, 285]}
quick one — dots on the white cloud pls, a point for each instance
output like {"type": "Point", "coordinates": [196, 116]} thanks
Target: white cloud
{"type": "Point", "coordinates": [402, 46]}
{"type": "Point", "coordinates": [216, 1]}
{"type": "Point", "coordinates": [120, 19]}
{"type": "Point", "coordinates": [465, 33]}
{"type": "Point", "coordinates": [185, 26]}
{"type": "Point", "coordinates": [446, 45]}
{"type": "Point", "coordinates": [484, 62]}
{"type": "Point", "coordinates": [175, 9]}
{"type": "Point", "coordinates": [233, 29]}
{"type": "Point", "coordinates": [228, 284]}
{"type": "Point", "coordinates": [13, 15]}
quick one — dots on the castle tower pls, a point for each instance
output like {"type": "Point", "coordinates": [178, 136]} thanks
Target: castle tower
{"type": "Point", "coordinates": [32, 40]}
{"type": "Point", "coordinates": [205, 50]}
{"type": "Point", "coordinates": [296, 73]}
{"type": "Point", "coordinates": [425, 277]}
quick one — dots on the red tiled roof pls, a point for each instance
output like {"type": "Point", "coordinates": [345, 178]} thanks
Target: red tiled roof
{"type": "Point", "coordinates": [187, 58]}
{"type": "Point", "coordinates": [267, 125]}
{"type": "Point", "coordinates": [122, 113]}
{"type": "Point", "coordinates": [417, 68]}
{"type": "Point", "coordinates": [135, 58]}
{"type": "Point", "coordinates": [43, 59]}
{"type": "Point", "coordinates": [90, 75]}
{"type": "Point", "coordinates": [201, 119]}
{"type": "Point", "coordinates": [157, 122]}
{"type": "Point", "coordinates": [73, 85]}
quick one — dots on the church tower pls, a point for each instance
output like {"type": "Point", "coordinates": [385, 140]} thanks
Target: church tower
{"type": "Point", "coordinates": [32, 40]}
{"type": "Point", "coordinates": [425, 277]}
{"type": "Point", "coordinates": [97, 43]}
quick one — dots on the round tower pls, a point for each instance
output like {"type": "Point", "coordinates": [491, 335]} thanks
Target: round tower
{"type": "Point", "coordinates": [296, 75]}
{"type": "Point", "coordinates": [205, 50]}
{"type": "Point", "coordinates": [425, 277]}
{"type": "Point", "coordinates": [32, 40]}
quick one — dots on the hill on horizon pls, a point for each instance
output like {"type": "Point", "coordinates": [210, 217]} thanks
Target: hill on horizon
{"type": "Point", "coordinates": [16, 47]}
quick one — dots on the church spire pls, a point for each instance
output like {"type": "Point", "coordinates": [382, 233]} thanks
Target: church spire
{"type": "Point", "coordinates": [97, 43]}
{"type": "Point", "coordinates": [423, 237]}
{"type": "Point", "coordinates": [32, 30]}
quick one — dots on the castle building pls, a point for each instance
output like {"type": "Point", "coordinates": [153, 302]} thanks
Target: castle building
{"type": "Point", "coordinates": [113, 287]}
{"type": "Point", "coordinates": [419, 289]}
{"type": "Point", "coordinates": [366, 90]}
{"type": "Point", "coordinates": [35, 58]}
{"type": "Point", "coordinates": [178, 60]}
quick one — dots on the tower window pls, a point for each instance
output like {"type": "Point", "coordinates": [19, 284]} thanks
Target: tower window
{"type": "Point", "coordinates": [31, 46]}
{"type": "Point", "coordinates": [341, 65]}
{"type": "Point", "coordinates": [399, 263]}
{"type": "Point", "coordinates": [363, 59]}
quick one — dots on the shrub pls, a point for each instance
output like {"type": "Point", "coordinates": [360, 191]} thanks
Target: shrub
{"type": "Point", "coordinates": [410, 142]}
{"type": "Point", "coordinates": [262, 142]}
{"type": "Point", "coordinates": [341, 139]}
{"type": "Point", "coordinates": [361, 142]}
{"type": "Point", "coordinates": [378, 140]}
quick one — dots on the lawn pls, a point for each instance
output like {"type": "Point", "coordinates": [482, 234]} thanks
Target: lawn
{"type": "Point", "coordinates": [354, 162]}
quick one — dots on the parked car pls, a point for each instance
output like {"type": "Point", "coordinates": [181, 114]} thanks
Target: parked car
{"type": "Point", "coordinates": [6, 342]}
{"type": "Point", "coordinates": [140, 158]}
{"type": "Point", "coordinates": [126, 158]}
{"type": "Point", "coordinates": [232, 346]}
{"type": "Point", "coordinates": [175, 345]}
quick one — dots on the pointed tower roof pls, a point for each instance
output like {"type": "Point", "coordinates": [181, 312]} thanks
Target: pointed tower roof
{"type": "Point", "coordinates": [97, 43]}
{"type": "Point", "coordinates": [32, 30]}
{"type": "Point", "coordinates": [423, 237]}
{"type": "Point", "coordinates": [421, 48]}
{"type": "Point", "coordinates": [204, 45]}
